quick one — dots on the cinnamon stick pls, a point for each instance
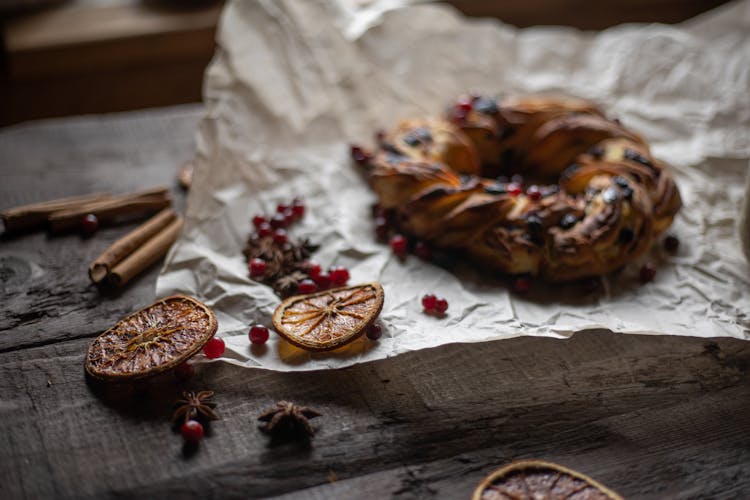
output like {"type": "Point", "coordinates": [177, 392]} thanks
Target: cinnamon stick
{"type": "Point", "coordinates": [100, 268]}
{"type": "Point", "coordinates": [127, 205]}
{"type": "Point", "coordinates": [36, 214]}
{"type": "Point", "coordinates": [147, 254]}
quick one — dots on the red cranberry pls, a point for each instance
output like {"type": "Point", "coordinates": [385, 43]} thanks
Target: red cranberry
{"type": "Point", "coordinates": [258, 334]}
{"type": "Point", "coordinates": [184, 371]}
{"type": "Point", "coordinates": [278, 221]}
{"type": "Point", "coordinates": [359, 154]}
{"type": "Point", "coordinates": [441, 305]}
{"type": "Point", "coordinates": [289, 216]}
{"type": "Point", "coordinates": [298, 208]}
{"type": "Point", "coordinates": [514, 189]}
{"type": "Point", "coordinates": [258, 220]}
{"type": "Point", "coordinates": [89, 224]}
{"type": "Point", "coordinates": [264, 229]}
{"type": "Point", "coordinates": [374, 331]}
{"type": "Point", "coordinates": [464, 103]}
{"type": "Point", "coordinates": [382, 228]}
{"type": "Point", "coordinates": [534, 193]}
{"type": "Point", "coordinates": [313, 269]}
{"type": "Point", "coordinates": [281, 208]}
{"type": "Point", "coordinates": [339, 275]}
{"type": "Point", "coordinates": [257, 267]}
{"type": "Point", "coordinates": [192, 431]}
{"type": "Point", "coordinates": [307, 286]}
{"type": "Point", "coordinates": [522, 284]}
{"type": "Point", "coordinates": [323, 280]}
{"type": "Point", "coordinates": [428, 302]}
{"type": "Point", "coordinates": [214, 348]}
{"type": "Point", "coordinates": [671, 244]}
{"type": "Point", "coordinates": [422, 250]}
{"type": "Point", "coordinates": [647, 273]}
{"type": "Point", "coordinates": [399, 245]}
{"type": "Point", "coordinates": [280, 237]}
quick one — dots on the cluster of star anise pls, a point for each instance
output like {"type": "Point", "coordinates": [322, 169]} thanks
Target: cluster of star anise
{"type": "Point", "coordinates": [285, 264]}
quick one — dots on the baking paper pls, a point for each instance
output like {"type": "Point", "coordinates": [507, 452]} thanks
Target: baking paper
{"type": "Point", "coordinates": [293, 83]}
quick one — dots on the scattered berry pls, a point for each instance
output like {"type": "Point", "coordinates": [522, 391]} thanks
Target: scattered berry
{"type": "Point", "coordinates": [214, 348]}
{"type": "Point", "coordinates": [264, 229]}
{"type": "Point", "coordinates": [184, 371]}
{"type": "Point", "coordinates": [671, 244]}
{"type": "Point", "coordinates": [307, 286]}
{"type": "Point", "coordinates": [257, 267]}
{"type": "Point", "coordinates": [464, 103]}
{"type": "Point", "coordinates": [258, 220]}
{"type": "Point", "coordinates": [281, 208]}
{"type": "Point", "coordinates": [428, 302]}
{"type": "Point", "coordinates": [647, 273]}
{"type": "Point", "coordinates": [278, 221]}
{"type": "Point", "coordinates": [339, 275]}
{"type": "Point", "coordinates": [89, 224]}
{"type": "Point", "coordinates": [441, 305]}
{"type": "Point", "coordinates": [374, 331]}
{"type": "Point", "coordinates": [521, 284]}
{"type": "Point", "coordinates": [422, 250]}
{"type": "Point", "coordinates": [534, 192]}
{"type": "Point", "coordinates": [298, 208]}
{"type": "Point", "coordinates": [289, 216]}
{"type": "Point", "coordinates": [258, 334]}
{"type": "Point", "coordinates": [323, 280]}
{"type": "Point", "coordinates": [399, 245]}
{"type": "Point", "coordinates": [514, 189]}
{"type": "Point", "coordinates": [192, 431]}
{"type": "Point", "coordinates": [313, 269]}
{"type": "Point", "coordinates": [359, 154]}
{"type": "Point", "coordinates": [280, 237]}
{"type": "Point", "coordinates": [382, 228]}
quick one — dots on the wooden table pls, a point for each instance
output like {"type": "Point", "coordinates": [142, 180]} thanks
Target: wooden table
{"type": "Point", "coordinates": [652, 417]}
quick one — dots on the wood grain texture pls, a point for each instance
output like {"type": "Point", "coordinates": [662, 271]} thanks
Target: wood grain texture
{"type": "Point", "coordinates": [649, 416]}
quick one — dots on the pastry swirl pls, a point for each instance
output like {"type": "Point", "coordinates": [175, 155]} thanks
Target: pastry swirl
{"type": "Point", "coordinates": [597, 198]}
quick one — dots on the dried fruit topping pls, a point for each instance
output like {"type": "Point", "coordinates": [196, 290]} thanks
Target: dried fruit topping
{"type": "Point", "coordinates": [155, 339]}
{"type": "Point", "coordinates": [195, 406]}
{"type": "Point", "coordinates": [329, 319]}
{"type": "Point", "coordinates": [534, 479]}
{"type": "Point", "coordinates": [288, 417]}
{"type": "Point", "coordinates": [214, 348]}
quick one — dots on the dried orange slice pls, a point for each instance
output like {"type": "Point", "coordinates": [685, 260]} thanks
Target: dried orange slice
{"type": "Point", "coordinates": [325, 320]}
{"type": "Point", "coordinates": [152, 340]}
{"type": "Point", "coordinates": [537, 479]}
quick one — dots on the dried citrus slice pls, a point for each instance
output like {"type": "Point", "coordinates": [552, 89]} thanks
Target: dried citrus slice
{"type": "Point", "coordinates": [536, 479]}
{"type": "Point", "coordinates": [323, 321]}
{"type": "Point", "coordinates": [152, 340]}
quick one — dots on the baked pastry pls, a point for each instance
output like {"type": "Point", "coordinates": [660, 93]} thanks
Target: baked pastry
{"type": "Point", "coordinates": [592, 197]}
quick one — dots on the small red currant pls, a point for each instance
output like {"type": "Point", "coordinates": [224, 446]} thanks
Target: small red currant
{"type": "Point", "coordinates": [464, 103]}
{"type": "Point", "coordinates": [264, 229]}
{"type": "Point", "coordinates": [374, 331]}
{"type": "Point", "coordinates": [89, 224]}
{"type": "Point", "coordinates": [339, 275]}
{"type": "Point", "coordinates": [307, 286]}
{"type": "Point", "coordinates": [521, 284]}
{"type": "Point", "coordinates": [280, 237]}
{"type": "Point", "coordinates": [428, 302]}
{"type": "Point", "coordinates": [313, 269]}
{"type": "Point", "coordinates": [214, 348]}
{"type": "Point", "coordinates": [514, 189]}
{"type": "Point", "coordinates": [647, 273]}
{"type": "Point", "coordinates": [298, 208]}
{"type": "Point", "coordinates": [192, 431]}
{"type": "Point", "coordinates": [422, 250]}
{"type": "Point", "coordinates": [281, 208]}
{"type": "Point", "coordinates": [382, 228]}
{"type": "Point", "coordinates": [399, 245]}
{"type": "Point", "coordinates": [278, 221]}
{"type": "Point", "coordinates": [184, 371]}
{"type": "Point", "coordinates": [534, 193]}
{"type": "Point", "coordinates": [323, 280]}
{"type": "Point", "coordinates": [441, 305]}
{"type": "Point", "coordinates": [258, 220]}
{"type": "Point", "coordinates": [258, 334]}
{"type": "Point", "coordinates": [257, 267]}
{"type": "Point", "coordinates": [289, 216]}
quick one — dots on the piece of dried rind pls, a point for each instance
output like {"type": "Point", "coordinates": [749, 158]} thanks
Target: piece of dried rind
{"type": "Point", "coordinates": [535, 479]}
{"type": "Point", "coordinates": [152, 340]}
{"type": "Point", "coordinates": [329, 319]}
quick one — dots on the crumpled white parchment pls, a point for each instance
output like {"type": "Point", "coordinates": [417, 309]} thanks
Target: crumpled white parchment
{"type": "Point", "coordinates": [293, 83]}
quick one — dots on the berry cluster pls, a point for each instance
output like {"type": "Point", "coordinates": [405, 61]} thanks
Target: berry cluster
{"type": "Point", "coordinates": [401, 246]}
{"type": "Point", "coordinates": [431, 304]}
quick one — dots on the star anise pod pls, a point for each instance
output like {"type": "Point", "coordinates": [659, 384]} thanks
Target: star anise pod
{"type": "Point", "coordinates": [286, 414]}
{"type": "Point", "coordinates": [286, 285]}
{"type": "Point", "coordinates": [262, 248]}
{"type": "Point", "coordinates": [301, 251]}
{"type": "Point", "coordinates": [195, 405]}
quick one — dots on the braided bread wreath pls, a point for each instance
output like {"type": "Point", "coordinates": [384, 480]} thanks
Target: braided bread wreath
{"type": "Point", "coordinates": [599, 199]}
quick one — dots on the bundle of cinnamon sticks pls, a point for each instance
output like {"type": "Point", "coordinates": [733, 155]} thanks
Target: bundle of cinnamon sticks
{"type": "Point", "coordinates": [128, 256]}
